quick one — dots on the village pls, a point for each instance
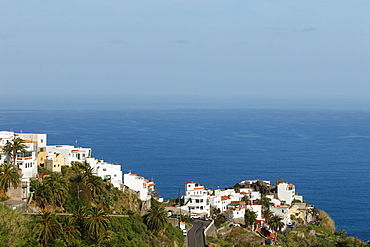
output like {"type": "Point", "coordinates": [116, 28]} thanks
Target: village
{"type": "Point", "coordinates": [258, 197]}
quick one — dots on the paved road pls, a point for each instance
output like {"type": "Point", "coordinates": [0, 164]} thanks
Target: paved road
{"type": "Point", "coordinates": [195, 236]}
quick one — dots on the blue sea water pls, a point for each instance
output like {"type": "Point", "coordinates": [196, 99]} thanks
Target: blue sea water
{"type": "Point", "coordinates": [325, 153]}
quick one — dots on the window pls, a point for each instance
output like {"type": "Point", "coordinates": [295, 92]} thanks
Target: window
{"type": "Point", "coordinates": [42, 141]}
{"type": "Point", "coordinates": [104, 169]}
{"type": "Point", "coordinates": [41, 149]}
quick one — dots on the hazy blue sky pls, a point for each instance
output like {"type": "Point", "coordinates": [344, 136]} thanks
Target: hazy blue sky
{"type": "Point", "coordinates": [238, 49]}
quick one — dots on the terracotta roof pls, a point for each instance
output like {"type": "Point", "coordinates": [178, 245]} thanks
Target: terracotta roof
{"type": "Point", "coordinates": [238, 202]}
{"type": "Point", "coordinates": [271, 235]}
{"type": "Point", "coordinates": [224, 198]}
{"type": "Point", "coordinates": [280, 206]}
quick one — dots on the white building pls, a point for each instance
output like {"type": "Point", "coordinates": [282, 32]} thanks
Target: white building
{"type": "Point", "coordinates": [222, 198]}
{"type": "Point", "coordinates": [286, 192]}
{"type": "Point", "coordinates": [39, 145]}
{"type": "Point", "coordinates": [245, 182]}
{"type": "Point", "coordinates": [196, 199]}
{"type": "Point", "coordinates": [284, 212]}
{"type": "Point", "coordinates": [70, 153]}
{"type": "Point", "coordinates": [220, 202]}
{"type": "Point", "coordinates": [107, 171]}
{"type": "Point", "coordinates": [5, 136]}
{"type": "Point", "coordinates": [257, 208]}
{"type": "Point", "coordinates": [27, 162]}
{"type": "Point", "coordinates": [236, 211]}
{"type": "Point", "coordinates": [142, 186]}
{"type": "Point", "coordinates": [273, 200]}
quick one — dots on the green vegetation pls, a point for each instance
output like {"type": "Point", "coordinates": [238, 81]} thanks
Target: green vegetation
{"type": "Point", "coordinates": [9, 175]}
{"type": "Point", "coordinates": [237, 237]}
{"type": "Point", "coordinates": [156, 218]}
{"type": "Point", "coordinates": [89, 204]}
{"type": "Point", "coordinates": [275, 223]}
{"type": "Point", "coordinates": [250, 217]}
{"type": "Point", "coordinates": [13, 147]}
{"type": "Point", "coordinates": [15, 228]}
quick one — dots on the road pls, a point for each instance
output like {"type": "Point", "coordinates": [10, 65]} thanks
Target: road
{"type": "Point", "coordinates": [195, 236]}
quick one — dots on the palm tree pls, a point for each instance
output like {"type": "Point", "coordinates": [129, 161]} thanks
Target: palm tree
{"type": "Point", "coordinates": [102, 239]}
{"type": "Point", "coordinates": [8, 176]}
{"type": "Point", "coordinates": [41, 193]}
{"type": "Point", "coordinates": [48, 229]}
{"type": "Point", "coordinates": [58, 185]}
{"type": "Point", "coordinates": [79, 167]}
{"type": "Point", "coordinates": [275, 223]}
{"type": "Point", "coordinates": [156, 218]}
{"type": "Point", "coordinates": [250, 217]}
{"type": "Point", "coordinates": [265, 202]}
{"type": "Point", "coordinates": [97, 222]}
{"type": "Point", "coordinates": [70, 231]}
{"type": "Point", "coordinates": [267, 214]}
{"type": "Point", "coordinates": [80, 216]}
{"type": "Point", "coordinates": [95, 184]}
{"type": "Point", "coordinates": [246, 199]}
{"type": "Point", "coordinates": [13, 147]}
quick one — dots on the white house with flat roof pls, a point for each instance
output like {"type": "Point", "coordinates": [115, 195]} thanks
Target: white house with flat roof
{"type": "Point", "coordinates": [39, 142]}
{"type": "Point", "coordinates": [27, 162]}
{"type": "Point", "coordinates": [107, 171]}
{"type": "Point", "coordinates": [273, 199]}
{"type": "Point", "coordinates": [70, 153]}
{"type": "Point", "coordinates": [196, 199]}
{"type": "Point", "coordinates": [142, 186]}
{"type": "Point", "coordinates": [236, 211]}
{"type": "Point", "coordinates": [287, 193]}
{"type": "Point", "coordinates": [245, 182]}
{"type": "Point", "coordinates": [5, 136]}
{"type": "Point", "coordinates": [257, 208]}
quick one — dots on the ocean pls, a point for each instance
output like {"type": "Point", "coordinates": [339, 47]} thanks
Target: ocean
{"type": "Point", "coordinates": [324, 153]}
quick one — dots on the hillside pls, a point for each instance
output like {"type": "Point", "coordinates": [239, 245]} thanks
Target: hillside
{"type": "Point", "coordinates": [80, 209]}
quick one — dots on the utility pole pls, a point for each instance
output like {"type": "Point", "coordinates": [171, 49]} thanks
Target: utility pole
{"type": "Point", "coordinates": [78, 192]}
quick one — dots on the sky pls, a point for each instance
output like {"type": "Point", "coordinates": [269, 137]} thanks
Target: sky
{"type": "Point", "coordinates": [56, 50]}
